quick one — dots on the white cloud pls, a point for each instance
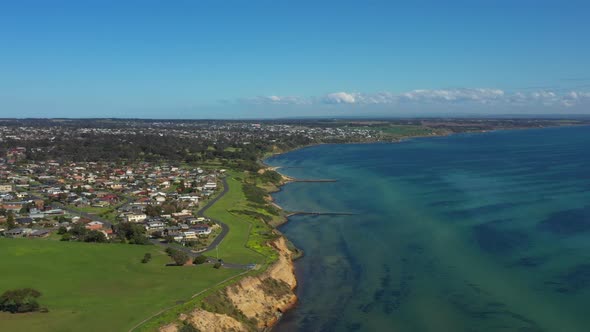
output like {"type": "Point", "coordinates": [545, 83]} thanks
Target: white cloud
{"type": "Point", "coordinates": [341, 98]}
{"type": "Point", "coordinates": [453, 95]}
{"type": "Point", "coordinates": [280, 100]}
{"type": "Point", "coordinates": [487, 96]}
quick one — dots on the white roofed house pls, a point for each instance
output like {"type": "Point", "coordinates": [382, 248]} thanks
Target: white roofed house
{"type": "Point", "coordinates": [210, 186]}
{"type": "Point", "coordinates": [135, 217]}
{"type": "Point", "coordinates": [6, 188]}
{"type": "Point", "coordinates": [154, 225]}
{"type": "Point", "coordinates": [160, 199]}
{"type": "Point", "coordinates": [189, 234]}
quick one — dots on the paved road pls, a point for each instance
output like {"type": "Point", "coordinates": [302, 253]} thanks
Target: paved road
{"type": "Point", "coordinates": [218, 239]}
{"type": "Point", "coordinates": [224, 227]}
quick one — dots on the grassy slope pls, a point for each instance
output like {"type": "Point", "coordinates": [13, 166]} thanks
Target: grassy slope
{"type": "Point", "coordinates": [244, 242]}
{"type": "Point", "coordinates": [95, 287]}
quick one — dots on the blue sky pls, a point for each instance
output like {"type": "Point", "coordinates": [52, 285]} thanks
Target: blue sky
{"type": "Point", "coordinates": [249, 59]}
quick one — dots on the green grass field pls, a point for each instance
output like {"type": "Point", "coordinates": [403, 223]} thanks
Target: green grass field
{"type": "Point", "coordinates": [245, 242]}
{"type": "Point", "coordinates": [105, 287]}
{"type": "Point", "coordinates": [400, 131]}
{"type": "Point", "coordinates": [95, 287]}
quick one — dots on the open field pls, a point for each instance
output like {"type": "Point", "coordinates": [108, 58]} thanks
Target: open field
{"type": "Point", "coordinates": [245, 241]}
{"type": "Point", "coordinates": [95, 287]}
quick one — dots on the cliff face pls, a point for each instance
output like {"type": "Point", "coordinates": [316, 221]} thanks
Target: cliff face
{"type": "Point", "coordinates": [255, 302]}
{"type": "Point", "coordinates": [265, 297]}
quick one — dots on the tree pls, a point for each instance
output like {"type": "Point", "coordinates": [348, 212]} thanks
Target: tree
{"type": "Point", "coordinates": [10, 224]}
{"type": "Point", "coordinates": [95, 236]}
{"type": "Point", "coordinates": [62, 230]}
{"type": "Point", "coordinates": [134, 233]}
{"type": "Point", "coordinates": [66, 237]}
{"type": "Point", "coordinates": [179, 257]}
{"type": "Point", "coordinates": [153, 210]}
{"type": "Point", "coordinates": [200, 260]}
{"type": "Point", "coordinates": [20, 300]}
{"type": "Point", "coordinates": [79, 231]}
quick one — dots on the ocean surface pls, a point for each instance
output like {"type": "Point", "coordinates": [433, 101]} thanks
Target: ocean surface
{"type": "Point", "coordinates": [470, 232]}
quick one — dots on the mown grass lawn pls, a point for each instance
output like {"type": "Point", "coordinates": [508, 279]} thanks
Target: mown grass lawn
{"type": "Point", "coordinates": [95, 287]}
{"type": "Point", "coordinates": [243, 244]}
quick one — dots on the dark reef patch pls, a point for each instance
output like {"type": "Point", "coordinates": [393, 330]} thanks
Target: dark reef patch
{"type": "Point", "coordinates": [576, 279]}
{"type": "Point", "coordinates": [567, 222]}
{"type": "Point", "coordinates": [530, 262]}
{"type": "Point", "coordinates": [494, 240]}
{"type": "Point", "coordinates": [481, 210]}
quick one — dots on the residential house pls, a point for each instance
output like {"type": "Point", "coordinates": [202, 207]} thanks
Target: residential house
{"type": "Point", "coordinates": [189, 234]}
{"type": "Point", "coordinates": [135, 217]}
{"type": "Point", "coordinates": [151, 226]}
{"type": "Point", "coordinates": [202, 229]}
{"type": "Point", "coordinates": [18, 232]}
{"type": "Point", "coordinates": [40, 233]}
{"type": "Point", "coordinates": [94, 225]}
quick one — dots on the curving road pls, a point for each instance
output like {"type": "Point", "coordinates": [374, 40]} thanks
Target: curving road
{"type": "Point", "coordinates": [218, 239]}
{"type": "Point", "coordinates": [224, 227]}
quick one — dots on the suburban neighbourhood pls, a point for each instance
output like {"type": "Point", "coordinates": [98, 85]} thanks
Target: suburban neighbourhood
{"type": "Point", "coordinates": [42, 199]}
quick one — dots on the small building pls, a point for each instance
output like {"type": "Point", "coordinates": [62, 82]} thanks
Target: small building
{"type": "Point", "coordinates": [202, 229]}
{"type": "Point", "coordinates": [154, 225]}
{"type": "Point", "coordinates": [18, 232]}
{"type": "Point", "coordinates": [24, 221]}
{"type": "Point", "coordinates": [40, 233]}
{"type": "Point", "coordinates": [94, 225]}
{"type": "Point", "coordinates": [135, 217]}
{"type": "Point", "coordinates": [189, 234]}
{"type": "Point", "coordinates": [6, 188]}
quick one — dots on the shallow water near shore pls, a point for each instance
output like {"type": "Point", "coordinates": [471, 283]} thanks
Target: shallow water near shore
{"type": "Point", "coordinates": [471, 232]}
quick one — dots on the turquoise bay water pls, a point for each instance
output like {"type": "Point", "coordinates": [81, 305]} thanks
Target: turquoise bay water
{"type": "Point", "coordinates": [472, 232]}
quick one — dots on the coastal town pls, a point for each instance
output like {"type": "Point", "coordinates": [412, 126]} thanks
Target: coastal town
{"type": "Point", "coordinates": [182, 208]}
{"type": "Point", "coordinates": [49, 199]}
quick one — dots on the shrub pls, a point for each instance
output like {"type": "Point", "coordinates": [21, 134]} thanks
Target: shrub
{"type": "Point", "coordinates": [200, 259]}
{"type": "Point", "coordinates": [21, 300]}
{"type": "Point", "coordinates": [95, 236]}
{"type": "Point", "coordinates": [188, 327]}
{"type": "Point", "coordinates": [217, 265]}
{"type": "Point", "coordinates": [254, 194]}
{"type": "Point", "coordinates": [146, 258]}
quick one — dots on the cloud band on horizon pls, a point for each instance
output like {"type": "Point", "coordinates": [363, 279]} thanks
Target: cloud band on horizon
{"type": "Point", "coordinates": [485, 96]}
